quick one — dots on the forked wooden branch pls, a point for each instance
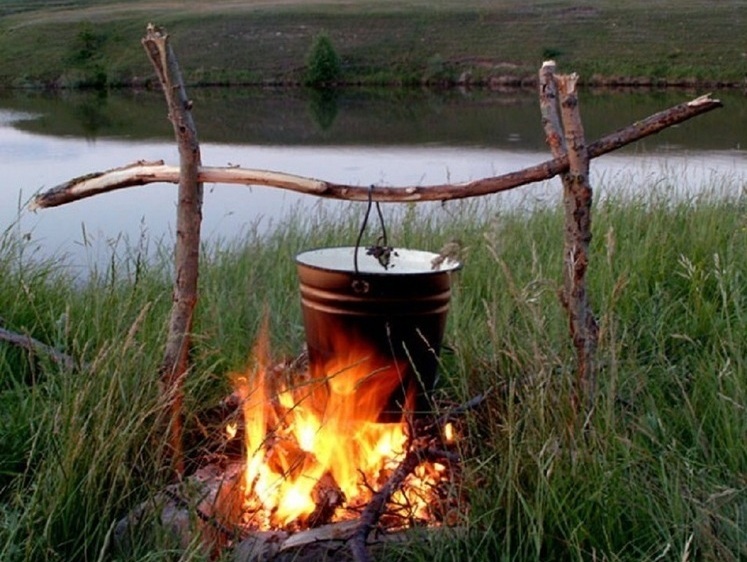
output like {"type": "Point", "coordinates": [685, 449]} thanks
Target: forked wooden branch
{"type": "Point", "coordinates": [143, 173]}
{"type": "Point", "coordinates": [186, 253]}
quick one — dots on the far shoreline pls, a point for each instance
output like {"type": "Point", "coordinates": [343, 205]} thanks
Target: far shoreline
{"type": "Point", "coordinates": [495, 83]}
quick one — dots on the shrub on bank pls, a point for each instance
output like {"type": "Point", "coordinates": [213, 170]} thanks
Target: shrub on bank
{"type": "Point", "coordinates": [323, 66]}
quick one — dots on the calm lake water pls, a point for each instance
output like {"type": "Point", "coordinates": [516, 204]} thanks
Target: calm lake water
{"type": "Point", "coordinates": [357, 137]}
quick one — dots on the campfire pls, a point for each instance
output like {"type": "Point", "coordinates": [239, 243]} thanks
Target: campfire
{"type": "Point", "coordinates": [316, 451]}
{"type": "Point", "coordinates": [345, 440]}
{"type": "Point", "coordinates": [346, 448]}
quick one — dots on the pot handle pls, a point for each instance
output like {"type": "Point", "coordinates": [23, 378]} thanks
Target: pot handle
{"type": "Point", "coordinates": [381, 250]}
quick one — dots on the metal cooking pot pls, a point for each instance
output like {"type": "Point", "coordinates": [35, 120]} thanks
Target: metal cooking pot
{"type": "Point", "coordinates": [388, 321]}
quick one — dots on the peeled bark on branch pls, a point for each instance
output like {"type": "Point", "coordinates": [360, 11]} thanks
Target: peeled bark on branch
{"type": "Point", "coordinates": [188, 219]}
{"type": "Point", "coordinates": [143, 173]}
{"type": "Point", "coordinates": [548, 97]}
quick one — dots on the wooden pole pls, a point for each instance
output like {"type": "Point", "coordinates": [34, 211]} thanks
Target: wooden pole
{"type": "Point", "coordinates": [548, 97]}
{"type": "Point", "coordinates": [577, 201]}
{"type": "Point", "coordinates": [175, 362]}
{"type": "Point", "coordinates": [565, 137]}
{"type": "Point", "coordinates": [144, 173]}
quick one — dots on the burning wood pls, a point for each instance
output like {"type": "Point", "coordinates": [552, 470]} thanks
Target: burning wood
{"type": "Point", "coordinates": [316, 451]}
{"type": "Point", "coordinates": [410, 486]}
{"type": "Point", "coordinates": [336, 444]}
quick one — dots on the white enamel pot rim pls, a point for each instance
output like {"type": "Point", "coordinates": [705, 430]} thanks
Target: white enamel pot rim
{"type": "Point", "coordinates": [402, 261]}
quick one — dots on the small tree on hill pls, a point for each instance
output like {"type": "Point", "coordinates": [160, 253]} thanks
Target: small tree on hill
{"type": "Point", "coordinates": [323, 63]}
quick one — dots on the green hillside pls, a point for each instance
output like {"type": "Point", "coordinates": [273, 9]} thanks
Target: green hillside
{"type": "Point", "coordinates": [67, 43]}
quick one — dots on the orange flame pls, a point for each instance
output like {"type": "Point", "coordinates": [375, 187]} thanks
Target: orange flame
{"type": "Point", "coordinates": [296, 438]}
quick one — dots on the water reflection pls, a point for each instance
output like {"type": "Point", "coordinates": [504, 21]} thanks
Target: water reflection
{"type": "Point", "coordinates": [93, 114]}
{"type": "Point", "coordinates": [359, 137]}
{"type": "Point", "coordinates": [323, 106]}
{"type": "Point", "coordinates": [373, 117]}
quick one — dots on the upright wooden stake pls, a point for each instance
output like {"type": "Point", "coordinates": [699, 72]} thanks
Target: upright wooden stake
{"type": "Point", "coordinates": [577, 200]}
{"type": "Point", "coordinates": [187, 249]}
{"type": "Point", "coordinates": [577, 197]}
{"type": "Point", "coordinates": [548, 97]}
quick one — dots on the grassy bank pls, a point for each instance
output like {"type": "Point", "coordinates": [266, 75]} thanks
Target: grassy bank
{"type": "Point", "coordinates": [75, 43]}
{"type": "Point", "coordinates": [659, 471]}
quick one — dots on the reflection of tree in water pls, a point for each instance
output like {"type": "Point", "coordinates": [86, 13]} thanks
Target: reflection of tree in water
{"type": "Point", "coordinates": [92, 114]}
{"type": "Point", "coordinates": [323, 106]}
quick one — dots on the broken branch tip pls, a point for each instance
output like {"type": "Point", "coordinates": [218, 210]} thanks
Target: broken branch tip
{"type": "Point", "coordinates": [703, 100]}
{"type": "Point", "coordinates": [154, 32]}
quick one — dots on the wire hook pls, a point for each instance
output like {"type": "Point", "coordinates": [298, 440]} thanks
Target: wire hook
{"type": "Point", "coordinates": [381, 250]}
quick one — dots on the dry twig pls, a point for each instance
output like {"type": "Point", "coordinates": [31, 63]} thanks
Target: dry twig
{"type": "Point", "coordinates": [35, 346]}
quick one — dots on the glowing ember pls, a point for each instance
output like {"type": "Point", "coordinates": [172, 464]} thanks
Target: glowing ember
{"type": "Point", "coordinates": [449, 432]}
{"type": "Point", "coordinates": [319, 446]}
{"type": "Point", "coordinates": [231, 430]}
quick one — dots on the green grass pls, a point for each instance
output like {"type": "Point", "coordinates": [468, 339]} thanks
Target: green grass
{"type": "Point", "coordinates": [394, 41]}
{"type": "Point", "coordinates": [658, 471]}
